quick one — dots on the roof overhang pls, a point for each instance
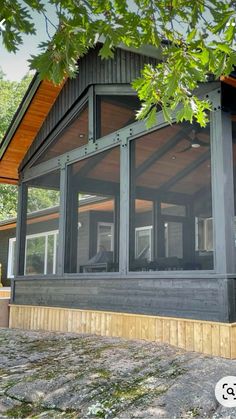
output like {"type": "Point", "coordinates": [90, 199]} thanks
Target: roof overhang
{"type": "Point", "coordinates": [229, 80]}
{"type": "Point", "coordinates": [25, 125]}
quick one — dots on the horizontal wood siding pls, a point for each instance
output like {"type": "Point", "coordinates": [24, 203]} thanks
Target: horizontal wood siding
{"type": "Point", "coordinates": [124, 68]}
{"type": "Point", "coordinates": [207, 337]}
{"type": "Point", "coordinates": [188, 298]}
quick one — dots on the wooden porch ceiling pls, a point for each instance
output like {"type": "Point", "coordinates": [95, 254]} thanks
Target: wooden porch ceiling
{"type": "Point", "coordinates": [25, 126]}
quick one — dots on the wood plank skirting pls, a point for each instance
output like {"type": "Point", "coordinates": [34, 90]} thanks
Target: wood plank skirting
{"type": "Point", "coordinates": [5, 292]}
{"type": "Point", "coordinates": [4, 311]}
{"type": "Point", "coordinates": [211, 338]}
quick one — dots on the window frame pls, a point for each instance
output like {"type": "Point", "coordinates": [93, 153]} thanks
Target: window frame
{"type": "Point", "coordinates": [11, 257]}
{"type": "Point", "coordinates": [106, 224]}
{"type": "Point", "coordinates": [149, 228]}
{"type": "Point", "coordinates": [45, 234]}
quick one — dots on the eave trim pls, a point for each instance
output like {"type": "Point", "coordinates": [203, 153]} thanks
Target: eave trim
{"type": "Point", "coordinates": [33, 87]}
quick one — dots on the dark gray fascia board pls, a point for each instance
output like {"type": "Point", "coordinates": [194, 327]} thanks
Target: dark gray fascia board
{"type": "Point", "coordinates": [51, 210]}
{"type": "Point", "coordinates": [17, 118]}
{"type": "Point", "coordinates": [32, 215]}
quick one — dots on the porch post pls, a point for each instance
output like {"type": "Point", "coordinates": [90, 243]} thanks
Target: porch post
{"type": "Point", "coordinates": [222, 187]}
{"type": "Point", "coordinates": [21, 229]}
{"type": "Point", "coordinates": [62, 220]}
{"type": "Point", "coordinates": [124, 205]}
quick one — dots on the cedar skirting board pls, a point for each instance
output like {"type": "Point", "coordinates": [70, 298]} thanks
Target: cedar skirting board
{"type": "Point", "coordinates": [211, 338]}
{"type": "Point", "coordinates": [5, 292]}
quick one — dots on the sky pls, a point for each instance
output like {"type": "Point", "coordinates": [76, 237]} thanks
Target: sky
{"type": "Point", "coordinates": [15, 66]}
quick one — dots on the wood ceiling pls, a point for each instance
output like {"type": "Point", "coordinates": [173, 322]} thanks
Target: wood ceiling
{"type": "Point", "coordinates": [173, 170]}
{"type": "Point", "coordinates": [26, 131]}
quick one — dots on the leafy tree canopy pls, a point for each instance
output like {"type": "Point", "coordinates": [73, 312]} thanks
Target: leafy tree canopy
{"type": "Point", "coordinates": [11, 94]}
{"type": "Point", "coordinates": [195, 39]}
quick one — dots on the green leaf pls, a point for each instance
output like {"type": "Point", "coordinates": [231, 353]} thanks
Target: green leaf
{"type": "Point", "coordinates": [106, 50]}
{"type": "Point", "coordinates": [151, 118]}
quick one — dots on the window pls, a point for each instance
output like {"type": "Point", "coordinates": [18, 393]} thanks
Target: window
{"type": "Point", "coordinates": [11, 258]}
{"type": "Point", "coordinates": [173, 239]}
{"type": "Point", "coordinates": [41, 253]}
{"type": "Point", "coordinates": [141, 223]}
{"type": "Point", "coordinates": [42, 223]}
{"type": "Point", "coordinates": [143, 242]}
{"type": "Point", "coordinates": [204, 234]}
{"type": "Point", "coordinates": [93, 205]}
{"type": "Point", "coordinates": [170, 187]}
{"type": "Point", "coordinates": [105, 236]}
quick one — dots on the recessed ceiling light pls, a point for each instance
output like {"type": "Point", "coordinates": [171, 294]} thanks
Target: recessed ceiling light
{"type": "Point", "coordinates": [195, 145]}
{"type": "Point", "coordinates": [173, 157]}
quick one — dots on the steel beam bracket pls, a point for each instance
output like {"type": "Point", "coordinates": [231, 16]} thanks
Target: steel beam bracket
{"type": "Point", "coordinates": [214, 99]}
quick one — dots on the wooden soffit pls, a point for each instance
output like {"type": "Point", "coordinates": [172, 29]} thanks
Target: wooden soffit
{"type": "Point", "coordinates": [14, 146]}
{"type": "Point", "coordinates": [229, 80]}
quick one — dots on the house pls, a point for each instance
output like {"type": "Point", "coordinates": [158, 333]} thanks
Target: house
{"type": "Point", "coordinates": [143, 241]}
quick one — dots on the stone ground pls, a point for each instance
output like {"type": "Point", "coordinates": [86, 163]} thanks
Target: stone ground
{"type": "Point", "coordinates": [55, 375]}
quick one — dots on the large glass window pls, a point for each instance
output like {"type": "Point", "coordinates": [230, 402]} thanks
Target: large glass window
{"type": "Point", "coordinates": [115, 112]}
{"type": "Point", "coordinates": [171, 205]}
{"type": "Point", "coordinates": [43, 199]}
{"type": "Point", "coordinates": [11, 258]}
{"type": "Point", "coordinates": [93, 214]}
{"type": "Point", "coordinates": [41, 253]}
{"type": "Point", "coordinates": [73, 136]}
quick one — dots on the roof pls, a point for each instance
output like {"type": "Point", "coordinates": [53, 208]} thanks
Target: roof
{"type": "Point", "coordinates": [25, 124]}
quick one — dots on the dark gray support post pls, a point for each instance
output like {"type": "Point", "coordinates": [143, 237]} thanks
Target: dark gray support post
{"type": "Point", "coordinates": [156, 216]}
{"type": "Point", "coordinates": [223, 205]}
{"type": "Point", "coordinates": [72, 218]}
{"type": "Point", "coordinates": [97, 117]}
{"type": "Point", "coordinates": [62, 221]}
{"type": "Point", "coordinates": [116, 218]}
{"type": "Point", "coordinates": [132, 197]}
{"type": "Point", "coordinates": [222, 188]}
{"type": "Point", "coordinates": [92, 113]}
{"type": "Point", "coordinates": [124, 207]}
{"type": "Point", "coordinates": [21, 229]}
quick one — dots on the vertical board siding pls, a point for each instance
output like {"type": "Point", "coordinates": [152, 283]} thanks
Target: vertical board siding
{"type": "Point", "coordinates": [210, 338]}
{"type": "Point", "coordinates": [123, 69]}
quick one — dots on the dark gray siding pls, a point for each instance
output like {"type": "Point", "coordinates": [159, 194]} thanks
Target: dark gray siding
{"type": "Point", "coordinates": [42, 227]}
{"type": "Point", "coordinates": [124, 68]}
{"type": "Point", "coordinates": [204, 299]}
{"type": "Point", "coordinates": [5, 235]}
